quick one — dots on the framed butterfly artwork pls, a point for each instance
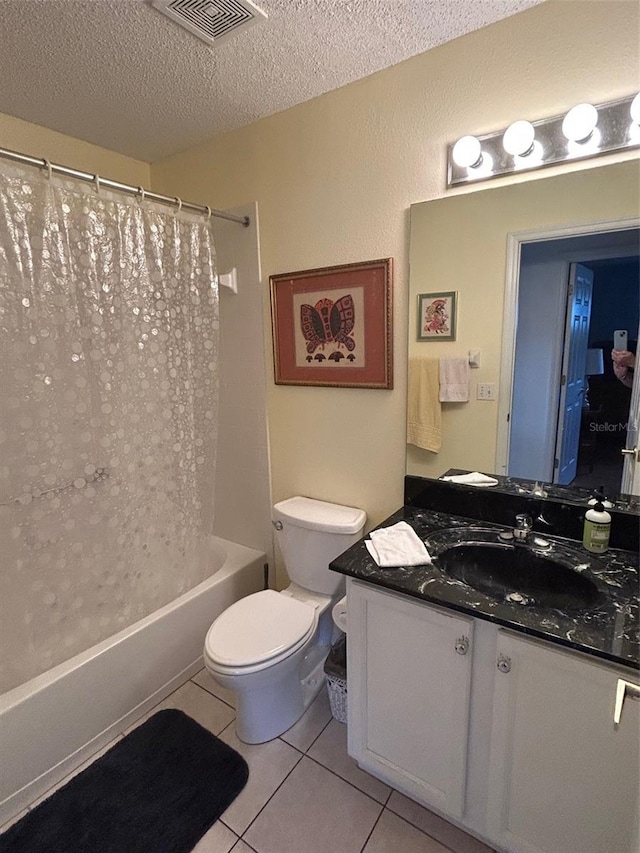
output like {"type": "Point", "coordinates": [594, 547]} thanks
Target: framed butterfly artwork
{"type": "Point", "coordinates": [332, 326]}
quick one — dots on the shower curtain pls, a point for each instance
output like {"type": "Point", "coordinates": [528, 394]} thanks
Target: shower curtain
{"type": "Point", "coordinates": [108, 412]}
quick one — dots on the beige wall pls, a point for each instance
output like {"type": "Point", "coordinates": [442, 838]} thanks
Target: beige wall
{"type": "Point", "coordinates": [334, 179]}
{"type": "Point", "coordinates": [41, 142]}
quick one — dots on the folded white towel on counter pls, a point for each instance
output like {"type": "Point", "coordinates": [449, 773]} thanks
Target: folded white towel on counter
{"type": "Point", "coordinates": [398, 545]}
{"type": "Point", "coordinates": [473, 479]}
{"type": "Point", "coordinates": [454, 379]}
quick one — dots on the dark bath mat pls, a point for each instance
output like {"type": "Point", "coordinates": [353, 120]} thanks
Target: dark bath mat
{"type": "Point", "coordinates": [156, 791]}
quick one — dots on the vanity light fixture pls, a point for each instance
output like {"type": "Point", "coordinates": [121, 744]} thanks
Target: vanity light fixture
{"type": "Point", "coordinates": [584, 131]}
{"type": "Point", "coordinates": [634, 127]}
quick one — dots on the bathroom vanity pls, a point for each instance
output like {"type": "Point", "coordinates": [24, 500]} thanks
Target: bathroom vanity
{"type": "Point", "coordinates": [512, 718]}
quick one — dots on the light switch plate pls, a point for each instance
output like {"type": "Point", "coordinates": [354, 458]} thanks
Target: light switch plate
{"type": "Point", "coordinates": [486, 391]}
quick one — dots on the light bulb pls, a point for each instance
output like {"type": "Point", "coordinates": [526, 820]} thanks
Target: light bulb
{"type": "Point", "coordinates": [579, 123]}
{"type": "Point", "coordinates": [467, 152]}
{"type": "Point", "coordinates": [635, 109]}
{"type": "Point", "coordinates": [484, 167]}
{"type": "Point", "coordinates": [518, 138]}
{"type": "Point", "coordinates": [586, 147]}
{"type": "Point", "coordinates": [533, 157]}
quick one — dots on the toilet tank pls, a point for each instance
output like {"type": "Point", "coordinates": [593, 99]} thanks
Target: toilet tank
{"type": "Point", "coordinates": [310, 534]}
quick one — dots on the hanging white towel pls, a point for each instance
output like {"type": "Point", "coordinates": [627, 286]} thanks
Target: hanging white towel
{"type": "Point", "coordinates": [454, 379]}
{"type": "Point", "coordinates": [475, 478]}
{"type": "Point", "coordinates": [398, 545]}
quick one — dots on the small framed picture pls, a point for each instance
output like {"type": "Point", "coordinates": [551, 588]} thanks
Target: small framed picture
{"type": "Point", "coordinates": [437, 316]}
{"type": "Point", "coordinates": [332, 326]}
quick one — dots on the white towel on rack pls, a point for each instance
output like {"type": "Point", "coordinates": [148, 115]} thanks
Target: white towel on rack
{"type": "Point", "coordinates": [398, 545]}
{"type": "Point", "coordinates": [454, 379]}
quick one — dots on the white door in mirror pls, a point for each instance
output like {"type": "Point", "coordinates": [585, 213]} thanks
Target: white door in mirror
{"type": "Point", "coordinates": [630, 453]}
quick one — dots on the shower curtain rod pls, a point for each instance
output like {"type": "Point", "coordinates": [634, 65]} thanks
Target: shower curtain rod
{"type": "Point", "coordinates": [116, 185]}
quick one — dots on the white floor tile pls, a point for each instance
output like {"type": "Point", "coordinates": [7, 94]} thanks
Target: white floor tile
{"type": "Point", "coordinates": [313, 811]}
{"type": "Point", "coordinates": [209, 683]}
{"type": "Point", "coordinates": [451, 836]}
{"type": "Point", "coordinates": [392, 833]}
{"type": "Point", "coordinates": [198, 704]}
{"type": "Point", "coordinates": [330, 750]}
{"type": "Point", "coordinates": [269, 763]}
{"type": "Point", "coordinates": [219, 839]}
{"type": "Point", "coordinates": [241, 847]}
{"type": "Point", "coordinates": [315, 718]}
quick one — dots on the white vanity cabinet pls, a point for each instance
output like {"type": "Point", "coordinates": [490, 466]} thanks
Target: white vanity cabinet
{"type": "Point", "coordinates": [532, 761]}
{"type": "Point", "coordinates": [562, 777]}
{"type": "Point", "coordinates": [409, 671]}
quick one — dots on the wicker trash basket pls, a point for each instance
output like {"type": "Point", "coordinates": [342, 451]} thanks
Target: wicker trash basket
{"type": "Point", "coordinates": [335, 671]}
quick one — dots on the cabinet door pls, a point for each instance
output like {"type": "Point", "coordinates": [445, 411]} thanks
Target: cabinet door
{"type": "Point", "coordinates": [563, 778]}
{"type": "Point", "coordinates": [408, 701]}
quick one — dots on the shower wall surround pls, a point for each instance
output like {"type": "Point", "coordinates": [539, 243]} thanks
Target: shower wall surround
{"type": "Point", "coordinates": [242, 483]}
{"type": "Point", "coordinates": [109, 384]}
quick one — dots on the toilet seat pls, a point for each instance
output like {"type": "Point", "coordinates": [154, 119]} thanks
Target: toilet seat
{"type": "Point", "coordinates": [258, 631]}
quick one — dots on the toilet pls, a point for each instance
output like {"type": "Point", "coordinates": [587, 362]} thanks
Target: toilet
{"type": "Point", "coordinates": [269, 648]}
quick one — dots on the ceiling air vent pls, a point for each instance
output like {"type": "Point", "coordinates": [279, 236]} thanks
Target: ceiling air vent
{"type": "Point", "coordinates": [212, 20]}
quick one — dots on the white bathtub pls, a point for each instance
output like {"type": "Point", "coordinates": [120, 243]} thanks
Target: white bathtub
{"type": "Point", "coordinates": [54, 722]}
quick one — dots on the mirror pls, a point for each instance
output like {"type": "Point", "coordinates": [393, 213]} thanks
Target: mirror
{"type": "Point", "coordinates": [470, 244]}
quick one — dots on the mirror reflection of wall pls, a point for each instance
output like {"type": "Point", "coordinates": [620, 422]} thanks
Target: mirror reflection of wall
{"type": "Point", "coordinates": [571, 430]}
{"type": "Point", "coordinates": [463, 243]}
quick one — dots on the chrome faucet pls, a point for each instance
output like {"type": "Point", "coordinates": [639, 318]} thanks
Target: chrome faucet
{"type": "Point", "coordinates": [524, 526]}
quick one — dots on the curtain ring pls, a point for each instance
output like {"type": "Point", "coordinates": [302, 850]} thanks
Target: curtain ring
{"type": "Point", "coordinates": [47, 165]}
{"type": "Point", "coordinates": [96, 180]}
{"type": "Point", "coordinates": [179, 203]}
{"type": "Point", "coordinates": [208, 209]}
{"type": "Point", "coordinates": [140, 194]}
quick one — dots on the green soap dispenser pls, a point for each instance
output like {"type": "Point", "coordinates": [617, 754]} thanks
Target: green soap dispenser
{"type": "Point", "coordinates": [597, 527]}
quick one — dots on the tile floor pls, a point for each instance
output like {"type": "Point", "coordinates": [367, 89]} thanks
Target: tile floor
{"type": "Point", "coordinates": [304, 794]}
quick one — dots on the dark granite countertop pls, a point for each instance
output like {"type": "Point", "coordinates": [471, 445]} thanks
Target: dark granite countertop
{"type": "Point", "coordinates": [554, 492]}
{"type": "Point", "coordinates": [558, 510]}
{"type": "Point", "coordinates": [607, 628]}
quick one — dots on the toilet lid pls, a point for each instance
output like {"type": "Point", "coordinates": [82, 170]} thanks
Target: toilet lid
{"type": "Point", "coordinates": [258, 628]}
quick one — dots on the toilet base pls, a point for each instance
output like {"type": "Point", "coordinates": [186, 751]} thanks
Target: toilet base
{"type": "Point", "coordinates": [267, 711]}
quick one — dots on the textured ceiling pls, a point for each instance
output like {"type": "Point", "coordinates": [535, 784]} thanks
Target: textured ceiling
{"type": "Point", "coordinates": [119, 74]}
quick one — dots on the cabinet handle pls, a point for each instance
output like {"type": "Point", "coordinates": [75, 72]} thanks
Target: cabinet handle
{"type": "Point", "coordinates": [622, 689]}
{"type": "Point", "coordinates": [462, 645]}
{"type": "Point", "coordinates": [504, 663]}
